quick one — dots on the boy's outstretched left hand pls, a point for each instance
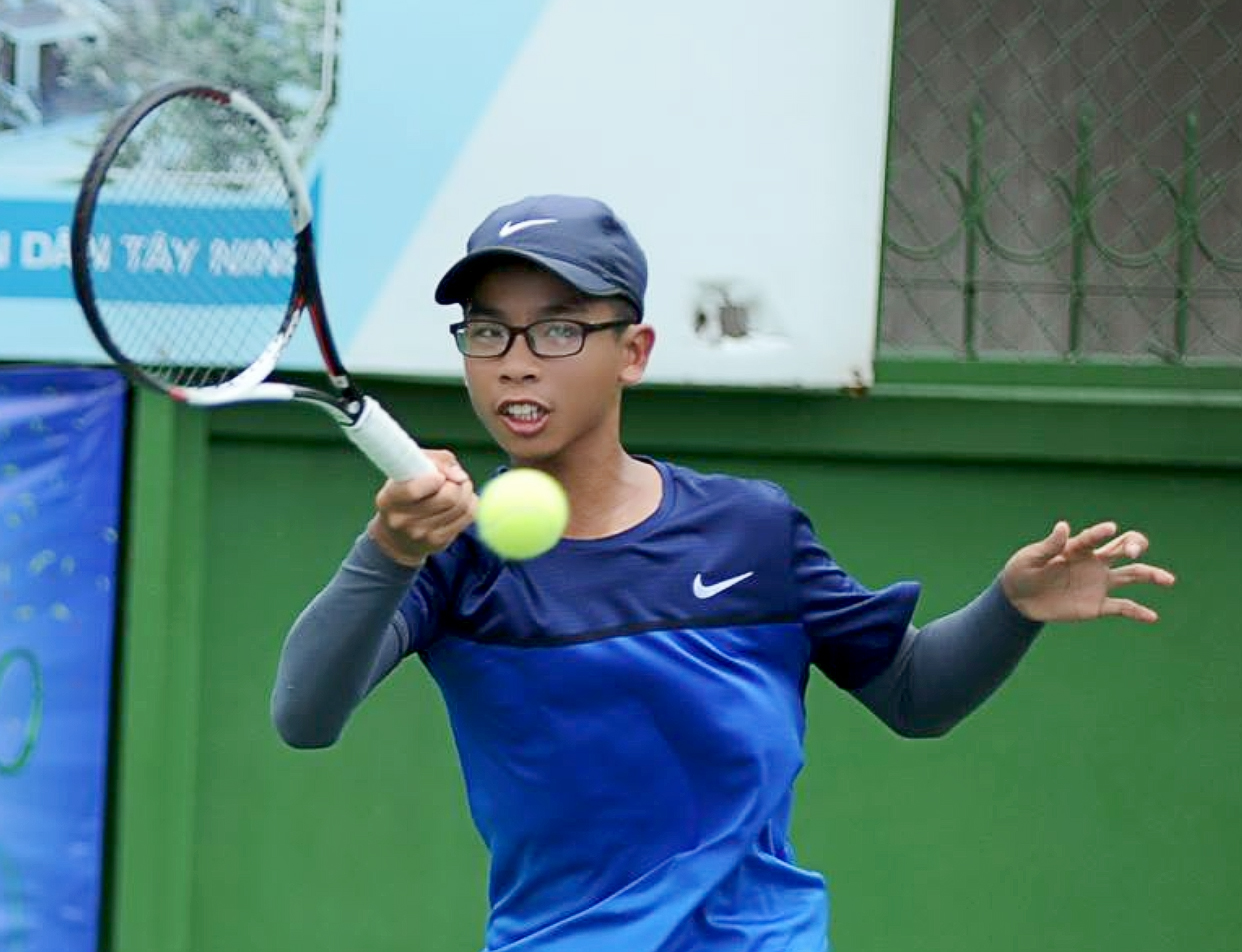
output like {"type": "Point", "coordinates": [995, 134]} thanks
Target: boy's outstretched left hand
{"type": "Point", "coordinates": [1068, 577]}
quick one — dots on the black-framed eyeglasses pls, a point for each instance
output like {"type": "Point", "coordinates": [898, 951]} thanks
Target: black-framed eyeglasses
{"type": "Point", "coordinates": [553, 337]}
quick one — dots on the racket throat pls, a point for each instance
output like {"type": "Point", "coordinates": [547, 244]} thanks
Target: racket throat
{"type": "Point", "coordinates": [352, 403]}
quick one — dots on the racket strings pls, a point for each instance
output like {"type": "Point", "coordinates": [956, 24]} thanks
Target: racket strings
{"type": "Point", "coordinates": [195, 261]}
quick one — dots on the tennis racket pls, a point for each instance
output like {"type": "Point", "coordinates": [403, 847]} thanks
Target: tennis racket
{"type": "Point", "coordinates": [194, 261]}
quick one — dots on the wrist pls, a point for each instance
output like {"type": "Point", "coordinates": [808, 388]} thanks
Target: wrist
{"type": "Point", "coordinates": [1015, 608]}
{"type": "Point", "coordinates": [391, 548]}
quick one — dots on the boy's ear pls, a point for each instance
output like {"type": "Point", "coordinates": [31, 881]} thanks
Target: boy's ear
{"type": "Point", "coordinates": [636, 343]}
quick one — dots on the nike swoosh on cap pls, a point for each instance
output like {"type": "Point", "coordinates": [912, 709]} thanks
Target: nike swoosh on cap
{"type": "Point", "coordinates": [704, 590]}
{"type": "Point", "coordinates": [513, 227]}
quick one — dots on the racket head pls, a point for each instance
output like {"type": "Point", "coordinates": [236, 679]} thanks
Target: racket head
{"type": "Point", "coordinates": [190, 244]}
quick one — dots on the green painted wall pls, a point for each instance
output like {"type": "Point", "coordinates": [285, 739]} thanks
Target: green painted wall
{"type": "Point", "coordinates": [1095, 803]}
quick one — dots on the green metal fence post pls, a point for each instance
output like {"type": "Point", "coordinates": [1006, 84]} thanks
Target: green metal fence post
{"type": "Point", "coordinates": [972, 220]}
{"type": "Point", "coordinates": [1081, 199]}
{"type": "Point", "coordinates": [1187, 234]}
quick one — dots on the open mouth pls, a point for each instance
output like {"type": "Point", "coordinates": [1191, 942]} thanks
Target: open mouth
{"type": "Point", "coordinates": [523, 417]}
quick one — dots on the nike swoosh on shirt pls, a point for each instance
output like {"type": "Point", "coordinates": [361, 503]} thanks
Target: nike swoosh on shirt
{"type": "Point", "coordinates": [704, 590]}
{"type": "Point", "coordinates": [513, 227]}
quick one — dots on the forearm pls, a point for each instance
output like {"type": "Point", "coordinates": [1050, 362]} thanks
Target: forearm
{"type": "Point", "coordinates": [341, 645]}
{"type": "Point", "coordinates": [949, 667]}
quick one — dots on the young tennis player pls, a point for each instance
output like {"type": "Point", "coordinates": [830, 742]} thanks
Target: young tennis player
{"type": "Point", "coordinates": [628, 708]}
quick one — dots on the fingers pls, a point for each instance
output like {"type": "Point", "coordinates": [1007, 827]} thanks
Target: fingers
{"type": "Point", "coordinates": [1088, 539]}
{"type": "Point", "coordinates": [1061, 543]}
{"type": "Point", "coordinates": [1126, 608]}
{"type": "Point", "coordinates": [409, 531]}
{"type": "Point", "coordinates": [432, 498]}
{"type": "Point", "coordinates": [424, 485]}
{"type": "Point", "coordinates": [396, 495]}
{"type": "Point", "coordinates": [1128, 545]}
{"type": "Point", "coordinates": [417, 517]}
{"type": "Point", "coordinates": [1134, 573]}
{"type": "Point", "coordinates": [1105, 543]}
{"type": "Point", "coordinates": [449, 465]}
{"type": "Point", "coordinates": [1138, 572]}
{"type": "Point", "coordinates": [1053, 544]}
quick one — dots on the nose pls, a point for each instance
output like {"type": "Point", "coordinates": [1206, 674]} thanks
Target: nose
{"type": "Point", "coordinates": [520, 363]}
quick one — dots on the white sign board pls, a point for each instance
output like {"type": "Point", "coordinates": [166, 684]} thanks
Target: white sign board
{"type": "Point", "coordinates": [743, 144]}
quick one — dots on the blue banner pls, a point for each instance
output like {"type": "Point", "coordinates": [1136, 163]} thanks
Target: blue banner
{"type": "Point", "coordinates": [219, 256]}
{"type": "Point", "coordinates": [34, 250]}
{"type": "Point", "coordinates": [61, 452]}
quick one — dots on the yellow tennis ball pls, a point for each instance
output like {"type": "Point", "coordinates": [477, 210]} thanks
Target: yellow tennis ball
{"type": "Point", "coordinates": [522, 513]}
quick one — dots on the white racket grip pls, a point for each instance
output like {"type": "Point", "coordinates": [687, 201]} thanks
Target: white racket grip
{"type": "Point", "coordinates": [386, 444]}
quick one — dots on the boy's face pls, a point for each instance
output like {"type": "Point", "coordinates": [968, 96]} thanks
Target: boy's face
{"type": "Point", "coordinates": [540, 408]}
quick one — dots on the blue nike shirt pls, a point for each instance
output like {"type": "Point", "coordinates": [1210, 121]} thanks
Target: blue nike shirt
{"type": "Point", "coordinates": [629, 715]}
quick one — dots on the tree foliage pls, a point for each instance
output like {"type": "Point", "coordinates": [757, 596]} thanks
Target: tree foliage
{"type": "Point", "coordinates": [274, 55]}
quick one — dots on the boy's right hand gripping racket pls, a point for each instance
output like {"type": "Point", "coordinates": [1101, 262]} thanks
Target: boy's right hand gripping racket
{"type": "Point", "coordinates": [193, 260]}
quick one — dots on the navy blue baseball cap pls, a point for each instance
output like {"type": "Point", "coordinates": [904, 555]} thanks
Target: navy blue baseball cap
{"type": "Point", "coordinates": [581, 240]}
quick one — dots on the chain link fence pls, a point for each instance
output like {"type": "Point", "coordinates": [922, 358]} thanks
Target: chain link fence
{"type": "Point", "coordinates": [1065, 181]}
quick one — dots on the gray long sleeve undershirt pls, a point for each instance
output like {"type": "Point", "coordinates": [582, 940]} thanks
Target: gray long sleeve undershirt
{"type": "Point", "coordinates": [341, 645]}
{"type": "Point", "coordinates": [351, 635]}
{"type": "Point", "coordinates": [947, 668]}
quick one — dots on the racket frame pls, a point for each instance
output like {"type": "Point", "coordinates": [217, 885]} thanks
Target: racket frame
{"type": "Point", "coordinates": [365, 422]}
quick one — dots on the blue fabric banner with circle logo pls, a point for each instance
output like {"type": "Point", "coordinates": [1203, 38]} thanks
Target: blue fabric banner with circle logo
{"type": "Point", "coordinates": [61, 453]}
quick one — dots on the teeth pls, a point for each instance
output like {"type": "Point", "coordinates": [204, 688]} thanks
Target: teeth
{"type": "Point", "coordinates": [522, 411]}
